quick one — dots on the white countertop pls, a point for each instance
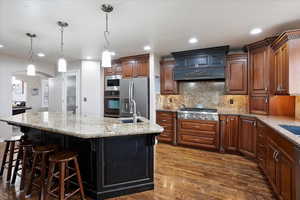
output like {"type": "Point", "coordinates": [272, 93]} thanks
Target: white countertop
{"type": "Point", "coordinates": [83, 126]}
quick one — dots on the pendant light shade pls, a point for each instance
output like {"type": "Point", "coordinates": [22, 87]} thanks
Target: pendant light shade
{"type": "Point", "coordinates": [62, 65]}
{"type": "Point", "coordinates": [106, 54]}
{"type": "Point", "coordinates": [62, 62]}
{"type": "Point", "coordinates": [106, 59]}
{"type": "Point", "coordinates": [30, 70]}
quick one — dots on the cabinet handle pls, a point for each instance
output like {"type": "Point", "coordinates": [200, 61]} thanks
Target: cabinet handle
{"type": "Point", "coordinates": [266, 100]}
{"type": "Point", "coordinates": [276, 156]}
{"type": "Point", "coordinates": [254, 124]}
{"type": "Point", "coordinates": [266, 89]}
{"type": "Point", "coordinates": [163, 120]}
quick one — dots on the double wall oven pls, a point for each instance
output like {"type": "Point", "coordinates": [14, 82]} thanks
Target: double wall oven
{"type": "Point", "coordinates": [112, 96]}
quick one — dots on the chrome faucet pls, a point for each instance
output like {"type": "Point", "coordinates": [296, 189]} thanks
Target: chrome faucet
{"type": "Point", "coordinates": [132, 103]}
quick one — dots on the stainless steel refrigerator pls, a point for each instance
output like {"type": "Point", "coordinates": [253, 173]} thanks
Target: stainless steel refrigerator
{"type": "Point", "coordinates": [140, 95]}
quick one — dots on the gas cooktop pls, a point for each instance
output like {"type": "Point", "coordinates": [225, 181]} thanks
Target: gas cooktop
{"type": "Point", "coordinates": [198, 114]}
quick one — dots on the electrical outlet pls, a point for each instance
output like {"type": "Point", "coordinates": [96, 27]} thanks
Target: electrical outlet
{"type": "Point", "coordinates": [230, 101]}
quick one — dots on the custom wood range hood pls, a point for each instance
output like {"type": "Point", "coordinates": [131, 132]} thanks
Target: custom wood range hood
{"type": "Point", "coordinates": [200, 64]}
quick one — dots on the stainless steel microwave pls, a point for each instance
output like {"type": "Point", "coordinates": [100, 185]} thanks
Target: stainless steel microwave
{"type": "Point", "coordinates": [112, 83]}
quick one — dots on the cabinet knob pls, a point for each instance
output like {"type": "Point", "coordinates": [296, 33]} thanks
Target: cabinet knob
{"type": "Point", "coordinates": [266, 89]}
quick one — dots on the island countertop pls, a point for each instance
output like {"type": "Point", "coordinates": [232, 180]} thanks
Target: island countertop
{"type": "Point", "coordinates": [82, 126]}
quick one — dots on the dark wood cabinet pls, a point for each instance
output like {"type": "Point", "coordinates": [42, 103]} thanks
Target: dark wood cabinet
{"type": "Point", "coordinates": [247, 136]}
{"type": "Point", "coordinates": [286, 63]}
{"type": "Point", "coordinates": [237, 74]}
{"type": "Point", "coordinates": [198, 133]}
{"type": "Point", "coordinates": [229, 132]}
{"type": "Point", "coordinates": [135, 66]}
{"type": "Point", "coordinates": [259, 104]}
{"type": "Point", "coordinates": [261, 150]}
{"type": "Point", "coordinates": [167, 120]}
{"type": "Point", "coordinates": [167, 84]}
{"type": "Point", "coordinates": [115, 69]}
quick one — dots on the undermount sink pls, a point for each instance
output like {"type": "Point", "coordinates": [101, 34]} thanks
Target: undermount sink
{"type": "Point", "coordinates": [292, 129]}
{"type": "Point", "coordinates": [127, 121]}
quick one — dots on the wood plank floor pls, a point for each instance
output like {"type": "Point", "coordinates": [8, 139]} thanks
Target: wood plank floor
{"type": "Point", "coordinates": [189, 174]}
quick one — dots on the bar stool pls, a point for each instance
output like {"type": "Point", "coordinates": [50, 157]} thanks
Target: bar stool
{"type": "Point", "coordinates": [23, 159]}
{"type": "Point", "coordinates": [63, 161]}
{"type": "Point", "coordinates": [40, 164]}
{"type": "Point", "coordinates": [10, 150]}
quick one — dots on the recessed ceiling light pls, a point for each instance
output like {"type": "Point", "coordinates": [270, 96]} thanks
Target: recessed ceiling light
{"type": "Point", "coordinates": [255, 31]}
{"type": "Point", "coordinates": [41, 55]}
{"type": "Point", "coordinates": [1, 45]}
{"type": "Point", "coordinates": [112, 53]}
{"type": "Point", "coordinates": [147, 48]}
{"type": "Point", "coordinates": [88, 57]}
{"type": "Point", "coordinates": [193, 40]}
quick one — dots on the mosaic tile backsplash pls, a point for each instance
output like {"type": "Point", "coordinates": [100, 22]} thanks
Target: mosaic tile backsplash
{"type": "Point", "coordinates": [207, 93]}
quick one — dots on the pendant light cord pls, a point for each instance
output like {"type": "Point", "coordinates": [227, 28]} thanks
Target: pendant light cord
{"type": "Point", "coordinates": [62, 41]}
{"type": "Point", "coordinates": [106, 32]}
{"type": "Point", "coordinates": [31, 50]}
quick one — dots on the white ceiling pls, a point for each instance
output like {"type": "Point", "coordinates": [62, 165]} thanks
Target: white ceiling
{"type": "Point", "coordinates": [166, 25]}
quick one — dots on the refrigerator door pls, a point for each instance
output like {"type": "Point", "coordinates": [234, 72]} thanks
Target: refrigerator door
{"type": "Point", "coordinates": [124, 98]}
{"type": "Point", "coordinates": [141, 96]}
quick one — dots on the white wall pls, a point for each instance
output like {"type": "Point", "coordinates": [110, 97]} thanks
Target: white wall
{"type": "Point", "coordinates": [92, 88]}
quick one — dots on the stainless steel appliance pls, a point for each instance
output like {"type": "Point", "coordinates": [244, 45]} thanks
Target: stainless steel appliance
{"type": "Point", "coordinates": [140, 94]}
{"type": "Point", "coordinates": [198, 114]}
{"type": "Point", "coordinates": [112, 104]}
{"type": "Point", "coordinates": [112, 83]}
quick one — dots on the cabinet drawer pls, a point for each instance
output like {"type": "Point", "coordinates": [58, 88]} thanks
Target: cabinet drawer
{"type": "Point", "coordinates": [164, 115]}
{"type": "Point", "coordinates": [198, 125]}
{"type": "Point", "coordinates": [196, 139]}
{"type": "Point", "coordinates": [163, 121]}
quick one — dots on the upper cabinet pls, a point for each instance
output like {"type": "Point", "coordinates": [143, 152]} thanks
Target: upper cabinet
{"type": "Point", "coordinates": [135, 66]}
{"type": "Point", "coordinates": [286, 63]}
{"type": "Point", "coordinates": [260, 65]}
{"type": "Point", "coordinates": [237, 74]}
{"type": "Point", "coordinates": [167, 84]}
{"type": "Point", "coordinates": [115, 69]}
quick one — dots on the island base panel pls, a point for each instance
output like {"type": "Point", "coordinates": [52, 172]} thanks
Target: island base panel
{"type": "Point", "coordinates": [109, 167]}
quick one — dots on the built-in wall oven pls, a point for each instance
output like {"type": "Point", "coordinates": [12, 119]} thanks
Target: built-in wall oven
{"type": "Point", "coordinates": [112, 104]}
{"type": "Point", "coordinates": [112, 83]}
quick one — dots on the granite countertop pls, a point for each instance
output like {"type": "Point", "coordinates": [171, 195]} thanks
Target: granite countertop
{"type": "Point", "coordinates": [83, 126]}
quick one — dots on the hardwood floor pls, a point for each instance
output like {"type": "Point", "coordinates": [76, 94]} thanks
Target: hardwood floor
{"type": "Point", "coordinates": [189, 174]}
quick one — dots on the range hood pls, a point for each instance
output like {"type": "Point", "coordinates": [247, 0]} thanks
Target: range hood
{"type": "Point", "coordinates": [200, 64]}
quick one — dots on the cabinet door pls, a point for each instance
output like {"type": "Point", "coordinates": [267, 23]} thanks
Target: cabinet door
{"type": "Point", "coordinates": [285, 176]}
{"type": "Point", "coordinates": [127, 69]}
{"type": "Point", "coordinates": [231, 133]}
{"type": "Point", "coordinates": [237, 76]}
{"type": "Point", "coordinates": [259, 105]}
{"type": "Point", "coordinates": [271, 163]}
{"type": "Point", "coordinates": [117, 67]}
{"type": "Point", "coordinates": [261, 131]}
{"type": "Point", "coordinates": [142, 68]}
{"type": "Point", "coordinates": [284, 69]}
{"type": "Point", "coordinates": [108, 71]}
{"type": "Point", "coordinates": [259, 71]}
{"type": "Point", "coordinates": [167, 84]}
{"type": "Point", "coordinates": [247, 136]}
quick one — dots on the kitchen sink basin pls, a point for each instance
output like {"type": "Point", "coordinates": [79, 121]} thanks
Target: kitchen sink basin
{"type": "Point", "coordinates": [127, 121]}
{"type": "Point", "coordinates": [293, 129]}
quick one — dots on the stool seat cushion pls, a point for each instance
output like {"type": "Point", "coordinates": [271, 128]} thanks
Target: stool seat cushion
{"type": "Point", "coordinates": [63, 156]}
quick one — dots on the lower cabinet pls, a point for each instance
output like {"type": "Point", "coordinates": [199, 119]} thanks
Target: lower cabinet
{"type": "Point", "coordinates": [229, 132]}
{"type": "Point", "coordinates": [247, 136]}
{"type": "Point", "coordinates": [198, 133]}
{"type": "Point", "coordinates": [259, 105]}
{"type": "Point", "coordinates": [261, 149]}
{"type": "Point", "coordinates": [167, 120]}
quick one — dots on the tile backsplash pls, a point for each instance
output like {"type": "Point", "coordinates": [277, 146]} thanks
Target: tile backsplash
{"type": "Point", "coordinates": [209, 94]}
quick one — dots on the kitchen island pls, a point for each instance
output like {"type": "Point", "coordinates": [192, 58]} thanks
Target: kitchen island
{"type": "Point", "coordinates": [115, 157]}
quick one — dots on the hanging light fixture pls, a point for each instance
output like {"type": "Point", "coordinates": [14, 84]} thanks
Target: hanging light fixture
{"type": "Point", "coordinates": [31, 67]}
{"type": "Point", "coordinates": [62, 63]}
{"type": "Point", "coordinates": [106, 54]}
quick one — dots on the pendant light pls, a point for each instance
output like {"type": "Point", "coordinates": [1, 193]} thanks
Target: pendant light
{"type": "Point", "coordinates": [31, 67]}
{"type": "Point", "coordinates": [62, 63]}
{"type": "Point", "coordinates": [106, 54]}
